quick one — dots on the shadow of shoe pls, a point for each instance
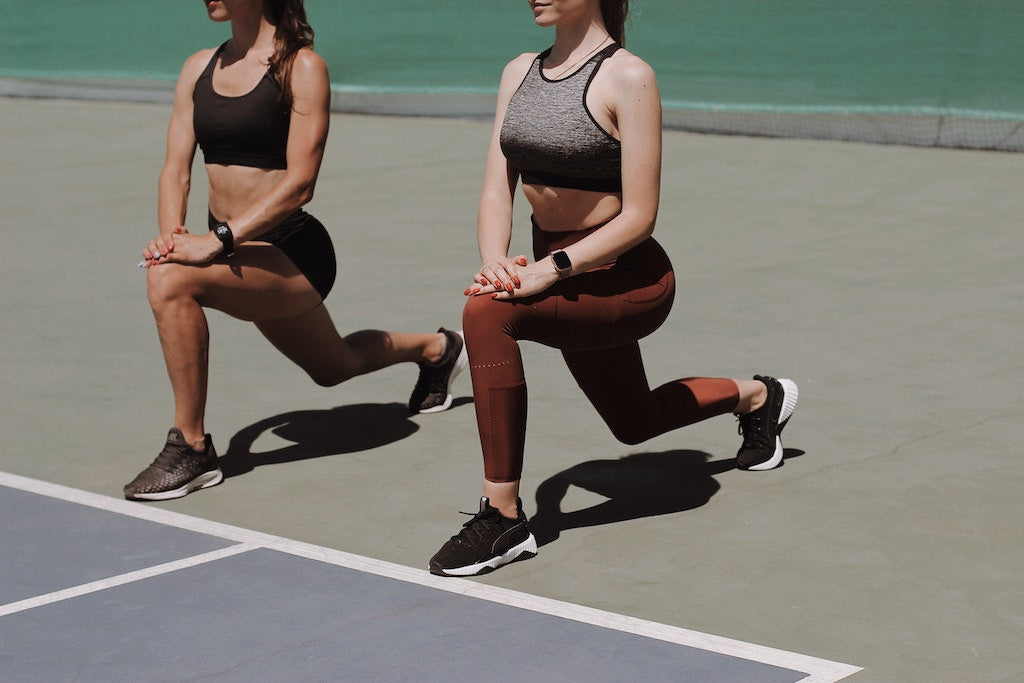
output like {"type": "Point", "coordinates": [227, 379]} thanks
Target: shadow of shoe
{"type": "Point", "coordinates": [638, 485]}
{"type": "Point", "coordinates": [318, 433]}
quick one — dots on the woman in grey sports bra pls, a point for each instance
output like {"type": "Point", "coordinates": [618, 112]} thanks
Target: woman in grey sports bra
{"type": "Point", "coordinates": [258, 107]}
{"type": "Point", "coordinates": [580, 125]}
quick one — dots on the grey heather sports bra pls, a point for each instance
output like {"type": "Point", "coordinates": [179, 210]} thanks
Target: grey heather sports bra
{"type": "Point", "coordinates": [551, 137]}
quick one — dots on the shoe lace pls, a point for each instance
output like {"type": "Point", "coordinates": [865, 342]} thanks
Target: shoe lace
{"type": "Point", "coordinates": [752, 430]}
{"type": "Point", "coordinates": [480, 528]}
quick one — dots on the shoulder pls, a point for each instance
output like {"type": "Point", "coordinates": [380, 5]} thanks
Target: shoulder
{"type": "Point", "coordinates": [626, 70]}
{"type": "Point", "coordinates": [518, 67]}
{"type": "Point", "coordinates": [196, 62]}
{"type": "Point", "coordinates": [514, 73]}
{"type": "Point", "coordinates": [309, 63]}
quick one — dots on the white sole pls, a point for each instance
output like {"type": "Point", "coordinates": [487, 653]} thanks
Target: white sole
{"type": "Point", "coordinates": [790, 394]}
{"type": "Point", "coordinates": [460, 364]}
{"type": "Point", "coordinates": [529, 546]}
{"type": "Point", "coordinates": [203, 481]}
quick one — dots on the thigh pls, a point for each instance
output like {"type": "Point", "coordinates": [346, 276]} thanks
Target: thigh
{"type": "Point", "coordinates": [257, 283]}
{"type": "Point", "coordinates": [614, 381]}
{"type": "Point", "coordinates": [311, 341]}
{"type": "Point", "coordinates": [598, 310]}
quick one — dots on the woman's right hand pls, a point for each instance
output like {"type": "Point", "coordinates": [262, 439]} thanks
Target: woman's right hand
{"type": "Point", "coordinates": [158, 248]}
{"type": "Point", "coordinates": [497, 274]}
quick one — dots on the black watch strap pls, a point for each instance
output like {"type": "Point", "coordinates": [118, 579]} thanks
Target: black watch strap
{"type": "Point", "coordinates": [226, 237]}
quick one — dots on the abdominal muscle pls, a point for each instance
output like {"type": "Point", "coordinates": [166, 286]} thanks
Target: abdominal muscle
{"type": "Point", "coordinates": [561, 209]}
{"type": "Point", "coordinates": [233, 189]}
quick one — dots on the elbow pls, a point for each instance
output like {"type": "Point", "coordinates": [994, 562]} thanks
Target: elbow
{"type": "Point", "coordinates": [301, 192]}
{"type": "Point", "coordinates": [643, 221]}
{"type": "Point", "coordinates": [647, 227]}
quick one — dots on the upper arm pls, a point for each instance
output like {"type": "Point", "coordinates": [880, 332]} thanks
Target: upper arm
{"type": "Point", "coordinates": [637, 105]}
{"type": "Point", "coordinates": [499, 176]}
{"type": "Point", "coordinates": [310, 115]}
{"type": "Point", "coordinates": [181, 135]}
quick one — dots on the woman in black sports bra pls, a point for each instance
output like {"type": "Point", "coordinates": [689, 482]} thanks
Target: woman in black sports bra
{"type": "Point", "coordinates": [580, 125]}
{"type": "Point", "coordinates": [258, 107]}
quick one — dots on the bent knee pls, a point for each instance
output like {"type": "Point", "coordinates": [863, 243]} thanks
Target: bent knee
{"type": "Point", "coordinates": [484, 314]}
{"type": "Point", "coordinates": [629, 434]}
{"type": "Point", "coordinates": [169, 281]}
{"type": "Point", "coordinates": [329, 378]}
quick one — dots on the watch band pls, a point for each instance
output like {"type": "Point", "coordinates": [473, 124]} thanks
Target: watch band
{"type": "Point", "coordinates": [223, 232]}
{"type": "Point", "coordinates": [563, 265]}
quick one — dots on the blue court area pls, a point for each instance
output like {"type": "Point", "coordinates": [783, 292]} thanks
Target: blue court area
{"type": "Point", "coordinates": [95, 588]}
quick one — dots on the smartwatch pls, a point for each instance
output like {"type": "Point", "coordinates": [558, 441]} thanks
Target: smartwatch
{"type": "Point", "coordinates": [563, 266]}
{"type": "Point", "coordinates": [226, 237]}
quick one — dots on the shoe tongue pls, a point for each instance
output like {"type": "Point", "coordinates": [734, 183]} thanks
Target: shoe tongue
{"type": "Point", "coordinates": [176, 437]}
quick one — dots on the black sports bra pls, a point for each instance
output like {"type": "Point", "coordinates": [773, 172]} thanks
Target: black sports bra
{"type": "Point", "coordinates": [248, 130]}
{"type": "Point", "coordinates": [551, 137]}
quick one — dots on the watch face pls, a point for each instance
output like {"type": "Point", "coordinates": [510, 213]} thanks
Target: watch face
{"type": "Point", "coordinates": [561, 260]}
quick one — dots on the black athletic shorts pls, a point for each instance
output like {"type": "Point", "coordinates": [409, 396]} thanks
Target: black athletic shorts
{"type": "Point", "coordinates": [304, 240]}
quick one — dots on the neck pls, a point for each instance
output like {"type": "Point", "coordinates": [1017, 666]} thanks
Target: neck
{"type": "Point", "coordinates": [579, 36]}
{"type": "Point", "coordinates": [252, 32]}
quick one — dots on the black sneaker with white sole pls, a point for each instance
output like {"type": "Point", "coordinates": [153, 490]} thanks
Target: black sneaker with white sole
{"type": "Point", "coordinates": [486, 542]}
{"type": "Point", "coordinates": [433, 390]}
{"type": "Point", "coordinates": [762, 429]}
{"type": "Point", "coordinates": [178, 470]}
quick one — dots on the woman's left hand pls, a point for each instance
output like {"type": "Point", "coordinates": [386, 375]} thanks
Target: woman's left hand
{"type": "Point", "coordinates": [534, 278]}
{"type": "Point", "coordinates": [190, 249]}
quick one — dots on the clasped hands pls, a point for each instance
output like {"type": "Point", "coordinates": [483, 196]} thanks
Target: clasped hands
{"type": "Point", "coordinates": [512, 278]}
{"type": "Point", "coordinates": [181, 246]}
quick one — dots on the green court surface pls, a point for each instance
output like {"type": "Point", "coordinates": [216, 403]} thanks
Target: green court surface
{"type": "Point", "coordinates": [885, 280]}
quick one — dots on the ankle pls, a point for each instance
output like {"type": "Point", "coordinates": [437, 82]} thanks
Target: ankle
{"type": "Point", "coordinates": [434, 351]}
{"type": "Point", "coordinates": [752, 395]}
{"type": "Point", "coordinates": [198, 444]}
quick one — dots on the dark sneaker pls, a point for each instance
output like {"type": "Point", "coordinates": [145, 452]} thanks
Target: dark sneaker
{"type": "Point", "coordinates": [177, 471]}
{"type": "Point", "coordinates": [762, 428]}
{"type": "Point", "coordinates": [485, 543]}
{"type": "Point", "coordinates": [433, 391]}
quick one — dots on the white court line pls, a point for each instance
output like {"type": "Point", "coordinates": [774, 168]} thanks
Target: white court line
{"type": "Point", "coordinates": [817, 670]}
{"type": "Point", "coordinates": [122, 579]}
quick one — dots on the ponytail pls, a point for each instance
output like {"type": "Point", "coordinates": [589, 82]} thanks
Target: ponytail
{"type": "Point", "coordinates": [614, 14]}
{"type": "Point", "coordinates": [293, 33]}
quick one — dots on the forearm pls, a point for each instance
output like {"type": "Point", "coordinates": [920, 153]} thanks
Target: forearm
{"type": "Point", "coordinates": [494, 230]}
{"type": "Point", "coordinates": [269, 209]}
{"type": "Point", "coordinates": [611, 240]}
{"type": "Point", "coordinates": [172, 200]}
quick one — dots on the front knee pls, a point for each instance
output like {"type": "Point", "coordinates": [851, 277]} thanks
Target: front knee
{"type": "Point", "coordinates": [483, 317]}
{"type": "Point", "coordinates": [166, 283]}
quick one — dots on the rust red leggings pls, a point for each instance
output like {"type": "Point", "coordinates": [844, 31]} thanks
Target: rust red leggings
{"type": "Point", "coordinates": [595, 319]}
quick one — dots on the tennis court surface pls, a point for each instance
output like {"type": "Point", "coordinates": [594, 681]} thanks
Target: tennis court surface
{"type": "Point", "coordinates": [100, 589]}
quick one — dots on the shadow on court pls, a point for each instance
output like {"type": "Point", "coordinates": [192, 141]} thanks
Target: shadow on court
{"type": "Point", "coordinates": [318, 434]}
{"type": "Point", "coordinates": [638, 485]}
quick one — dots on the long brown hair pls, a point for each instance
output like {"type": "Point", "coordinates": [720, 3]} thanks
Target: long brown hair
{"type": "Point", "coordinates": [614, 14]}
{"type": "Point", "coordinates": [293, 33]}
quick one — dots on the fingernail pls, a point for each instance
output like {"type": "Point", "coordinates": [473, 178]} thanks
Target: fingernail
{"type": "Point", "coordinates": [509, 287]}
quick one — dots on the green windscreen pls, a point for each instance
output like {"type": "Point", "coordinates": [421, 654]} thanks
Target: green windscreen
{"type": "Point", "coordinates": [945, 72]}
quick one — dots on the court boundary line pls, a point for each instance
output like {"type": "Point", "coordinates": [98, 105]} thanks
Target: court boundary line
{"type": "Point", "coordinates": [126, 578]}
{"type": "Point", "coordinates": [818, 670]}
